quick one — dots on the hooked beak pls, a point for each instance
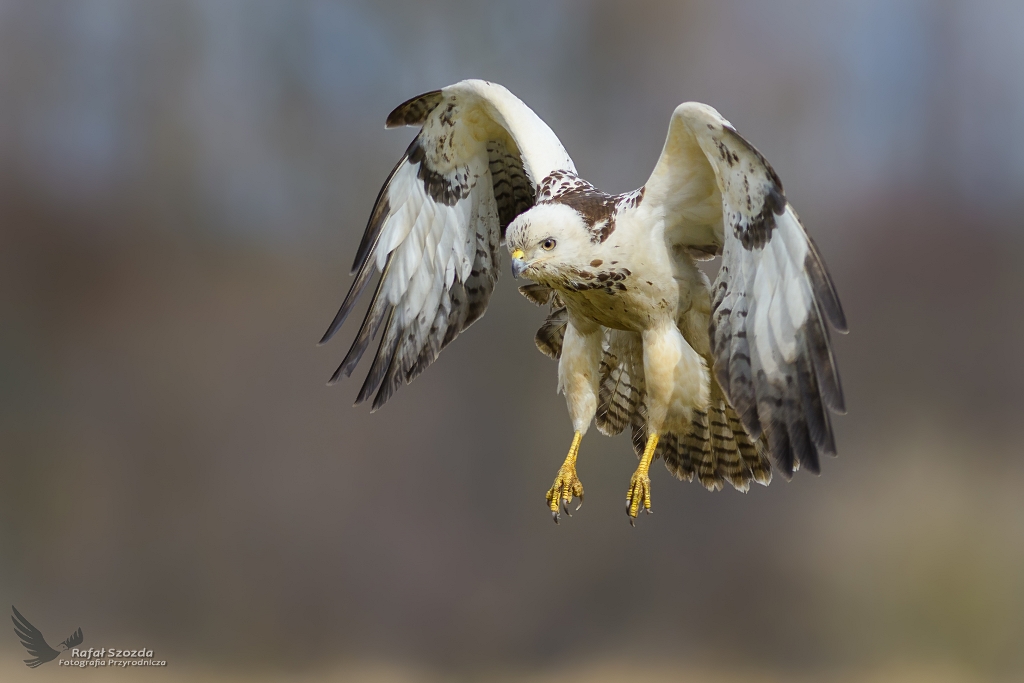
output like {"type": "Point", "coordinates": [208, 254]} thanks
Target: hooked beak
{"type": "Point", "coordinates": [518, 264]}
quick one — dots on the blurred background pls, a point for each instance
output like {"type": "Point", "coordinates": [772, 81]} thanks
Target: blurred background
{"type": "Point", "coordinates": [182, 189]}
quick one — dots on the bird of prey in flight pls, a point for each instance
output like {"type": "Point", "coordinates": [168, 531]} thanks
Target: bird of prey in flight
{"type": "Point", "coordinates": [36, 645]}
{"type": "Point", "coordinates": [720, 380]}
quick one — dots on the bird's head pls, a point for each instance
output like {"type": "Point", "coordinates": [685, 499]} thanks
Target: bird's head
{"type": "Point", "coordinates": [547, 242]}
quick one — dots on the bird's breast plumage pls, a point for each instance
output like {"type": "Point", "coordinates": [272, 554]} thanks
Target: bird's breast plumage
{"type": "Point", "coordinates": [620, 295]}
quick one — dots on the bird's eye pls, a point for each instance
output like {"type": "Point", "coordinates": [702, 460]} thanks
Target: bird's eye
{"type": "Point", "coordinates": [548, 244]}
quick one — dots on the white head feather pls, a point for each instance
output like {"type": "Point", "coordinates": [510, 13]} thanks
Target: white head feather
{"type": "Point", "coordinates": [550, 240]}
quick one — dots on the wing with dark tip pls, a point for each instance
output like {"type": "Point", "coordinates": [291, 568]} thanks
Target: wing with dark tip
{"type": "Point", "coordinates": [74, 640]}
{"type": "Point", "coordinates": [435, 229]}
{"type": "Point", "coordinates": [773, 299]}
{"type": "Point", "coordinates": [33, 640]}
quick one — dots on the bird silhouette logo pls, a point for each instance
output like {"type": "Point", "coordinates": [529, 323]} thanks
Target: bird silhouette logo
{"type": "Point", "coordinates": [36, 645]}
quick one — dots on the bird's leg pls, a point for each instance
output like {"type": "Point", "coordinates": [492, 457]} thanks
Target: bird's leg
{"type": "Point", "coordinates": [671, 369]}
{"type": "Point", "coordinates": [567, 485]}
{"type": "Point", "coordinates": [579, 374]}
{"type": "Point", "coordinates": [640, 483]}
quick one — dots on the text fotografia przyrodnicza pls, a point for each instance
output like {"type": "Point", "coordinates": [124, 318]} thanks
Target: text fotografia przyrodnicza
{"type": "Point", "coordinates": [83, 657]}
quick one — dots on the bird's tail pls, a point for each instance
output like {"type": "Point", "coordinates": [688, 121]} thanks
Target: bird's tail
{"type": "Point", "coordinates": [714, 447]}
{"type": "Point", "coordinates": [620, 401]}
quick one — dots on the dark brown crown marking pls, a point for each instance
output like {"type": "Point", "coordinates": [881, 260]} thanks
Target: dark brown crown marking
{"type": "Point", "coordinates": [598, 209]}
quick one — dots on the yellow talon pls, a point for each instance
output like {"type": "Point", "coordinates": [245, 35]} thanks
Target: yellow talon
{"type": "Point", "coordinates": [640, 483]}
{"type": "Point", "coordinates": [567, 485]}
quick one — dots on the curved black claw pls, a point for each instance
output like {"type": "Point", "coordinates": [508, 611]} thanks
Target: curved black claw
{"type": "Point", "coordinates": [554, 516]}
{"type": "Point", "coordinates": [632, 519]}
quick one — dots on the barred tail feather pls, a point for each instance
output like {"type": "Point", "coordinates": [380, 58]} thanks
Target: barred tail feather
{"type": "Point", "coordinates": [614, 403]}
{"type": "Point", "coordinates": [619, 395]}
{"type": "Point", "coordinates": [697, 443]}
{"type": "Point", "coordinates": [622, 382]}
{"type": "Point", "coordinates": [754, 454]}
{"type": "Point", "coordinates": [715, 449]}
{"type": "Point", "coordinates": [676, 456]}
{"type": "Point", "coordinates": [723, 444]}
{"type": "Point", "coordinates": [638, 426]}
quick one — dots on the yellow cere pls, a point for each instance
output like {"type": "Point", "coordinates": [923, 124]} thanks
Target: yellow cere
{"type": "Point", "coordinates": [518, 253]}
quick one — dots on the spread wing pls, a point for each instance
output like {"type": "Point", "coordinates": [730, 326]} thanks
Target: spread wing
{"type": "Point", "coordinates": [33, 640]}
{"type": "Point", "coordinates": [773, 294]}
{"type": "Point", "coordinates": [435, 229]}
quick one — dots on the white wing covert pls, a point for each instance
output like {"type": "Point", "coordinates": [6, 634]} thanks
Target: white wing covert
{"type": "Point", "coordinates": [437, 224]}
{"type": "Point", "coordinates": [773, 294]}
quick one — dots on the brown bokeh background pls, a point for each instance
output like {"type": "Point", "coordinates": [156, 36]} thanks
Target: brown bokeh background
{"type": "Point", "coordinates": [182, 188]}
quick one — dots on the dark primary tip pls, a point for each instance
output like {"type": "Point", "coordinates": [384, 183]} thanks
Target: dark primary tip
{"type": "Point", "coordinates": [332, 330]}
{"type": "Point", "coordinates": [835, 313]}
{"type": "Point", "coordinates": [336, 377]}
